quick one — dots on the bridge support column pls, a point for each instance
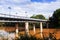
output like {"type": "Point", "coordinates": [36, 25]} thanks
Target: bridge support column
{"type": "Point", "coordinates": [34, 28]}
{"type": "Point", "coordinates": [47, 25]}
{"type": "Point", "coordinates": [41, 29]}
{"type": "Point", "coordinates": [16, 30]}
{"type": "Point", "coordinates": [26, 28]}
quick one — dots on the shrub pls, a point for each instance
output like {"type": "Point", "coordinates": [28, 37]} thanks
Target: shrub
{"type": "Point", "coordinates": [26, 37]}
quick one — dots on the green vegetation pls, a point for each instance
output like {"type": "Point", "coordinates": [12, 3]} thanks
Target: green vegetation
{"type": "Point", "coordinates": [55, 19]}
{"type": "Point", "coordinates": [38, 16]}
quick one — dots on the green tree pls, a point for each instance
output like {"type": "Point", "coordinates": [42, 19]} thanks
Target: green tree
{"type": "Point", "coordinates": [55, 19]}
{"type": "Point", "coordinates": [38, 16]}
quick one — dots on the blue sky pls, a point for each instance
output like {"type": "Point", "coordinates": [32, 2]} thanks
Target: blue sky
{"type": "Point", "coordinates": [43, 1]}
{"type": "Point", "coordinates": [29, 7]}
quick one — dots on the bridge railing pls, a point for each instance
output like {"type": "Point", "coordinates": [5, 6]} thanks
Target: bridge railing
{"type": "Point", "coordinates": [7, 15]}
{"type": "Point", "coordinates": [11, 16]}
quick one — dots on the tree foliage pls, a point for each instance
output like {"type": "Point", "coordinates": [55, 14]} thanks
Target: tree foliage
{"type": "Point", "coordinates": [55, 19]}
{"type": "Point", "coordinates": [38, 16]}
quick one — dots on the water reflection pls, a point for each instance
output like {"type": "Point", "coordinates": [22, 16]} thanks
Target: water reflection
{"type": "Point", "coordinates": [6, 35]}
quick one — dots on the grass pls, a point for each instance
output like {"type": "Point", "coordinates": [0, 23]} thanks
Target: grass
{"type": "Point", "coordinates": [30, 37]}
{"type": "Point", "coordinates": [54, 32]}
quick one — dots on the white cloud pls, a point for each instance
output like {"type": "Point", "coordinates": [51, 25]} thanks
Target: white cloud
{"type": "Point", "coordinates": [42, 8]}
{"type": "Point", "coordinates": [20, 0]}
{"type": "Point", "coordinates": [31, 8]}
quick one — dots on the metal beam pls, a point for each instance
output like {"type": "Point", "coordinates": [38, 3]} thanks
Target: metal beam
{"type": "Point", "coordinates": [18, 21]}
